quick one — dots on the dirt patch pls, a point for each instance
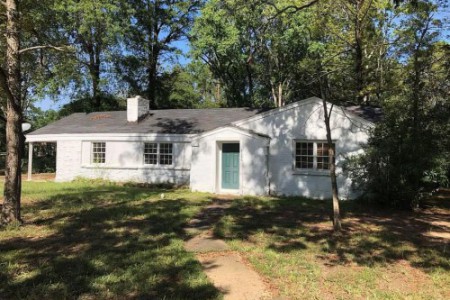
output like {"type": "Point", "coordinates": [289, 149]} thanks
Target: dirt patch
{"type": "Point", "coordinates": [399, 278]}
{"type": "Point", "coordinates": [36, 177]}
{"type": "Point", "coordinates": [404, 245]}
{"type": "Point", "coordinates": [428, 225]}
{"type": "Point", "coordinates": [408, 280]}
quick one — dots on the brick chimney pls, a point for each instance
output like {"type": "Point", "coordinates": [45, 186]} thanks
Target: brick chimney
{"type": "Point", "coordinates": [137, 108]}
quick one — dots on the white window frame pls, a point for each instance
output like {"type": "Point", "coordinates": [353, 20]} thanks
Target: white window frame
{"type": "Point", "coordinates": [93, 152]}
{"type": "Point", "coordinates": [314, 155]}
{"type": "Point", "coordinates": [158, 154]}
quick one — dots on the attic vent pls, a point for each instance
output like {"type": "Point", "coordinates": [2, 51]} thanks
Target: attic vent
{"type": "Point", "coordinates": [100, 117]}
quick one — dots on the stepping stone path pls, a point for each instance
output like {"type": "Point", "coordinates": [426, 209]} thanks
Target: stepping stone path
{"type": "Point", "coordinates": [226, 269]}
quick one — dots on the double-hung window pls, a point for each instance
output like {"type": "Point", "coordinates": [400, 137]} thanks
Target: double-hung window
{"type": "Point", "coordinates": [150, 153]}
{"type": "Point", "coordinates": [314, 155]}
{"type": "Point", "coordinates": [98, 152]}
{"type": "Point", "coordinates": [158, 153]}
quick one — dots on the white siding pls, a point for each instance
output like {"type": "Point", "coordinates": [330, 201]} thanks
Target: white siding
{"type": "Point", "coordinates": [205, 166]}
{"type": "Point", "coordinates": [306, 122]}
{"type": "Point", "coordinates": [124, 162]}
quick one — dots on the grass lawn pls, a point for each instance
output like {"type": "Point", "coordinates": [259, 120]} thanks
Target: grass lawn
{"type": "Point", "coordinates": [93, 240]}
{"type": "Point", "coordinates": [380, 255]}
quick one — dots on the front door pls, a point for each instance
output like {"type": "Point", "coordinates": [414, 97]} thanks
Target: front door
{"type": "Point", "coordinates": [230, 166]}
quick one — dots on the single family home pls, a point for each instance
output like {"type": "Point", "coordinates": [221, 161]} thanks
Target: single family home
{"type": "Point", "coordinates": [282, 151]}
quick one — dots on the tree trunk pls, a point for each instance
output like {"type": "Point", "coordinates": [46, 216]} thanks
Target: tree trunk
{"type": "Point", "coordinates": [12, 188]}
{"type": "Point", "coordinates": [417, 135]}
{"type": "Point", "coordinates": [218, 92]}
{"type": "Point", "coordinates": [94, 70]}
{"type": "Point", "coordinates": [95, 89]}
{"type": "Point", "coordinates": [274, 94]}
{"type": "Point", "coordinates": [153, 55]}
{"type": "Point", "coordinates": [277, 93]}
{"type": "Point", "coordinates": [416, 93]}
{"type": "Point", "coordinates": [250, 84]}
{"type": "Point", "coordinates": [151, 89]}
{"type": "Point", "coordinates": [334, 188]}
{"type": "Point", "coordinates": [96, 80]}
{"type": "Point", "coordinates": [280, 94]}
{"type": "Point", "coordinates": [359, 69]}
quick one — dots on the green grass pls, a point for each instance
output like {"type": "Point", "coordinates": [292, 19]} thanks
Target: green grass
{"type": "Point", "coordinates": [94, 240]}
{"type": "Point", "coordinates": [98, 240]}
{"type": "Point", "coordinates": [380, 255]}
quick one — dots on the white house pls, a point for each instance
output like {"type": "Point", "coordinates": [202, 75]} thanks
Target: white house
{"type": "Point", "coordinates": [223, 150]}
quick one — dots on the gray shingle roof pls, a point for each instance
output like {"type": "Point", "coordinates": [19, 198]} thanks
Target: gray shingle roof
{"type": "Point", "coordinates": [171, 121]}
{"type": "Point", "coordinates": [370, 113]}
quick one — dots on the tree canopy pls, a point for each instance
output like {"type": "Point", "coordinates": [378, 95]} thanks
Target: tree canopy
{"type": "Point", "coordinates": [257, 53]}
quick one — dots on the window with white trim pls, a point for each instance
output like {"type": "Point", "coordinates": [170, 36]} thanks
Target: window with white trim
{"type": "Point", "coordinates": [98, 152]}
{"type": "Point", "coordinates": [150, 153]}
{"type": "Point", "coordinates": [158, 153]}
{"type": "Point", "coordinates": [312, 155]}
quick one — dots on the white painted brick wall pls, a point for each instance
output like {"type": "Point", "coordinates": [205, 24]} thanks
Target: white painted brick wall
{"type": "Point", "coordinates": [68, 160]}
{"type": "Point", "coordinates": [124, 162]}
{"type": "Point", "coordinates": [198, 163]}
{"type": "Point", "coordinates": [205, 166]}
{"type": "Point", "coordinates": [137, 107]}
{"type": "Point", "coordinates": [306, 122]}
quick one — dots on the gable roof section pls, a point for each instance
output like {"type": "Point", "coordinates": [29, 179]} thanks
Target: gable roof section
{"type": "Point", "coordinates": [168, 121]}
{"type": "Point", "coordinates": [352, 114]}
{"type": "Point", "coordinates": [241, 130]}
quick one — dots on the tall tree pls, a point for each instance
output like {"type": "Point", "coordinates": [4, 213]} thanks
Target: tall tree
{"type": "Point", "coordinates": [206, 86]}
{"type": "Point", "coordinates": [156, 25]}
{"type": "Point", "coordinates": [341, 48]}
{"type": "Point", "coordinates": [93, 28]}
{"type": "Point", "coordinates": [252, 48]}
{"type": "Point", "coordinates": [284, 43]}
{"type": "Point", "coordinates": [416, 115]}
{"type": "Point", "coordinates": [325, 79]}
{"type": "Point", "coordinates": [10, 83]}
{"type": "Point", "coordinates": [29, 32]}
{"type": "Point", "coordinates": [219, 40]}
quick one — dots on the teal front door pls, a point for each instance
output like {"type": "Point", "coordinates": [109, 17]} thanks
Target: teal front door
{"type": "Point", "coordinates": [230, 166]}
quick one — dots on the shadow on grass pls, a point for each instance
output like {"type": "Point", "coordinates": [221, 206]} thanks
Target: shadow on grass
{"type": "Point", "coordinates": [369, 237]}
{"type": "Point", "coordinates": [109, 242]}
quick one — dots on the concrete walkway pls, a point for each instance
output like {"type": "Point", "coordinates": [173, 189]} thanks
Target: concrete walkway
{"type": "Point", "coordinates": [226, 269]}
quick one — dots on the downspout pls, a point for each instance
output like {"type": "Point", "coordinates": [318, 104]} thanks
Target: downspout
{"type": "Point", "coordinates": [268, 168]}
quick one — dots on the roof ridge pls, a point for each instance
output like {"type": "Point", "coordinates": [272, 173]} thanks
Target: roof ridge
{"type": "Point", "coordinates": [169, 109]}
{"type": "Point", "coordinates": [100, 112]}
{"type": "Point", "coordinates": [206, 108]}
